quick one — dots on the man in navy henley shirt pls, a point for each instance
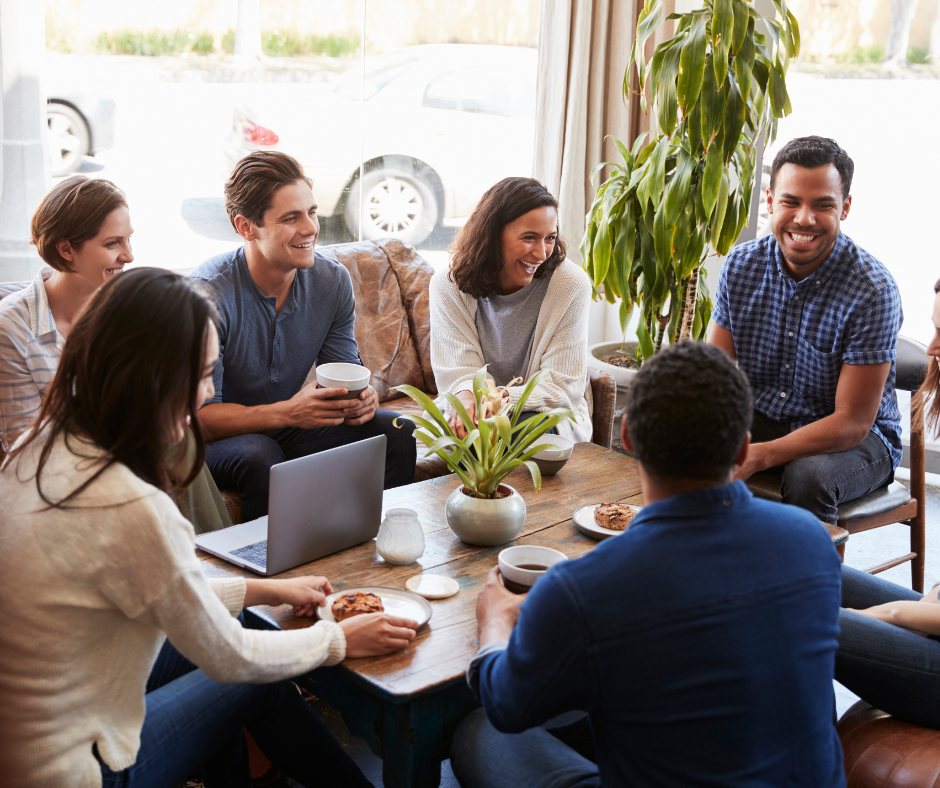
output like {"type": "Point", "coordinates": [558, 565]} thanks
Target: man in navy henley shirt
{"type": "Point", "coordinates": [283, 308]}
{"type": "Point", "coordinates": [700, 642]}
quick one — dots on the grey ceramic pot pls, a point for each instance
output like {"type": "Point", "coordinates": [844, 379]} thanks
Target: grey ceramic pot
{"type": "Point", "coordinates": [485, 521]}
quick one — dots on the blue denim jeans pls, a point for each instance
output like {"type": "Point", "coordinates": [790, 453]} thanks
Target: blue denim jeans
{"type": "Point", "coordinates": [482, 757]}
{"type": "Point", "coordinates": [821, 482]}
{"type": "Point", "coordinates": [889, 667]}
{"type": "Point", "coordinates": [244, 462]}
{"type": "Point", "coordinates": [193, 722]}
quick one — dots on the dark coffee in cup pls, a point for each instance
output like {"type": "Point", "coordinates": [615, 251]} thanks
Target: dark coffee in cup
{"type": "Point", "coordinates": [516, 588]}
{"type": "Point", "coordinates": [354, 394]}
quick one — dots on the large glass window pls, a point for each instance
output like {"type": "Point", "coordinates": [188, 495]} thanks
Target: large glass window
{"type": "Point", "coordinates": [401, 137]}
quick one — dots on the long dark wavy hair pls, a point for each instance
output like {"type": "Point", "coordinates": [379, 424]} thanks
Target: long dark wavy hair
{"type": "Point", "coordinates": [929, 402]}
{"type": "Point", "coordinates": [476, 253]}
{"type": "Point", "coordinates": [128, 376]}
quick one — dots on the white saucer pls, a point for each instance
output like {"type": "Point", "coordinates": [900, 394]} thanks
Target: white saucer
{"type": "Point", "coordinates": [397, 602]}
{"type": "Point", "coordinates": [432, 586]}
{"type": "Point", "coordinates": [584, 521]}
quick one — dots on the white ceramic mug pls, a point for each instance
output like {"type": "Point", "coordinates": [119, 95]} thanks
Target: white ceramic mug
{"type": "Point", "coordinates": [513, 559]}
{"type": "Point", "coordinates": [352, 377]}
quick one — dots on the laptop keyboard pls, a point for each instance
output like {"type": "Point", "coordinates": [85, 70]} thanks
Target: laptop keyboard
{"type": "Point", "coordinates": [256, 553]}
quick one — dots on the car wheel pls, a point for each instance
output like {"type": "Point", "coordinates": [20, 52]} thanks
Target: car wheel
{"type": "Point", "coordinates": [69, 138]}
{"type": "Point", "coordinates": [397, 203]}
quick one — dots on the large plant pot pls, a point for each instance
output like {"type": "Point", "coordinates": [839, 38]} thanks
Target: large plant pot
{"type": "Point", "coordinates": [622, 376]}
{"type": "Point", "coordinates": [485, 521]}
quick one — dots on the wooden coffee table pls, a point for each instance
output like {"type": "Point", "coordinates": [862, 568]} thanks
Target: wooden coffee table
{"type": "Point", "coordinates": [406, 705]}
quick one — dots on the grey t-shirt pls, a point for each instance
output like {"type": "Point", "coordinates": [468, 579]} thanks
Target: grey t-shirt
{"type": "Point", "coordinates": [506, 327]}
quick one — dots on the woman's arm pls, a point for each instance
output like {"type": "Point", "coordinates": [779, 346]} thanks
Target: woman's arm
{"type": "Point", "coordinates": [20, 396]}
{"type": "Point", "coordinates": [921, 617]}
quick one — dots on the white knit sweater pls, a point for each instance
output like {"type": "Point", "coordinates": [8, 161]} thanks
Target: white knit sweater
{"type": "Point", "coordinates": [89, 594]}
{"type": "Point", "coordinates": [559, 345]}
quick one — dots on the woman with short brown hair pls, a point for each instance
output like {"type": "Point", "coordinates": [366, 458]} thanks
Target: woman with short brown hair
{"type": "Point", "coordinates": [512, 300]}
{"type": "Point", "coordinates": [82, 229]}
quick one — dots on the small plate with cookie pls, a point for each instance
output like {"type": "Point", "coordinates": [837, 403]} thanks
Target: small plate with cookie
{"type": "Point", "coordinates": [359, 601]}
{"type": "Point", "coordinates": [603, 520]}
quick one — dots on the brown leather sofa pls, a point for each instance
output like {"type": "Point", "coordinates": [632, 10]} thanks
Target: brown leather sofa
{"type": "Point", "coordinates": [390, 281]}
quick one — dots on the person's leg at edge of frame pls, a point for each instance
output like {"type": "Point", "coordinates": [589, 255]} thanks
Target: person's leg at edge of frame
{"type": "Point", "coordinates": [482, 757]}
{"type": "Point", "coordinates": [400, 448]}
{"type": "Point", "coordinates": [821, 482]}
{"type": "Point", "coordinates": [891, 668]}
{"type": "Point", "coordinates": [243, 463]}
{"type": "Point", "coordinates": [194, 722]}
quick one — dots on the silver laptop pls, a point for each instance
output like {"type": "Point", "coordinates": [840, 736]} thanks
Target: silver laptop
{"type": "Point", "coordinates": [318, 505]}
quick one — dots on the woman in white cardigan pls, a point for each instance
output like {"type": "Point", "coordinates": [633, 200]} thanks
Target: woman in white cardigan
{"type": "Point", "coordinates": [513, 301]}
{"type": "Point", "coordinates": [98, 569]}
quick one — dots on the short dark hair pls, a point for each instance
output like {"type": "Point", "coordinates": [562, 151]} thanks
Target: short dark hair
{"type": "Point", "coordinates": [813, 152]}
{"type": "Point", "coordinates": [689, 409]}
{"type": "Point", "coordinates": [72, 211]}
{"type": "Point", "coordinates": [250, 188]}
{"type": "Point", "coordinates": [477, 253]}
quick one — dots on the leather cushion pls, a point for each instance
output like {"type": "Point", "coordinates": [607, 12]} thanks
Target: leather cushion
{"type": "Point", "coordinates": [911, 364]}
{"type": "Point", "coordinates": [766, 484]}
{"type": "Point", "coordinates": [881, 751]}
{"type": "Point", "coordinates": [884, 499]}
{"type": "Point", "coordinates": [383, 331]}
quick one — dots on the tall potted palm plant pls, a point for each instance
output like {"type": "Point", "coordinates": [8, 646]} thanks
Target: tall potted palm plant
{"type": "Point", "coordinates": [718, 88]}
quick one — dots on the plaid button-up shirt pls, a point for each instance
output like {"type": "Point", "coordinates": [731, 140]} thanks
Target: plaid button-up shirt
{"type": "Point", "coordinates": [792, 338]}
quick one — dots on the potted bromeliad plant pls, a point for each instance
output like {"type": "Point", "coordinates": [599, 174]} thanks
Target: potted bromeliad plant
{"type": "Point", "coordinates": [483, 510]}
{"type": "Point", "coordinates": [718, 88]}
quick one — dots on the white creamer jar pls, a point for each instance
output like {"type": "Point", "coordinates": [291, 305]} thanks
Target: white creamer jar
{"type": "Point", "coordinates": [401, 538]}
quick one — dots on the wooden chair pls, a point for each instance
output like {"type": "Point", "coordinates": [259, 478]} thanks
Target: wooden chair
{"type": "Point", "coordinates": [893, 503]}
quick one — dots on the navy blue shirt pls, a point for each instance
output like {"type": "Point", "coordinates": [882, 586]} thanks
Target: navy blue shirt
{"type": "Point", "coordinates": [701, 642]}
{"type": "Point", "coordinates": [265, 355]}
{"type": "Point", "coordinates": [792, 338]}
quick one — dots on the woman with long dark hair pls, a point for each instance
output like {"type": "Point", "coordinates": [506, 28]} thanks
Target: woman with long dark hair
{"type": "Point", "coordinates": [98, 570]}
{"type": "Point", "coordinates": [512, 300]}
{"type": "Point", "coordinates": [82, 231]}
{"type": "Point", "coordinates": [889, 644]}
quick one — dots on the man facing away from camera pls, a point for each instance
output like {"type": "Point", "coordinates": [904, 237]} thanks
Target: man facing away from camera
{"type": "Point", "coordinates": [700, 642]}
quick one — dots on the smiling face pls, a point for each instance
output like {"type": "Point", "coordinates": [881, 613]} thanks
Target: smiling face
{"type": "Point", "coordinates": [806, 208]}
{"type": "Point", "coordinates": [289, 233]}
{"type": "Point", "coordinates": [526, 243]}
{"type": "Point", "coordinates": [98, 259]}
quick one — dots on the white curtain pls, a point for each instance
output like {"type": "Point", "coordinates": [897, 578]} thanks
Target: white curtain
{"type": "Point", "coordinates": [584, 46]}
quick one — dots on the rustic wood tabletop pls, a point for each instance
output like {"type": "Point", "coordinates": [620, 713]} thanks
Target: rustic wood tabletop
{"type": "Point", "coordinates": [406, 704]}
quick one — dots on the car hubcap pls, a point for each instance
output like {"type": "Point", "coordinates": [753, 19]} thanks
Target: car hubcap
{"type": "Point", "coordinates": [63, 144]}
{"type": "Point", "coordinates": [393, 206]}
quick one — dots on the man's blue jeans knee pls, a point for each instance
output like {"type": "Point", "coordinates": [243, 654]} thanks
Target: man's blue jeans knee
{"type": "Point", "coordinates": [244, 462]}
{"type": "Point", "coordinates": [482, 757]}
{"type": "Point", "coordinates": [821, 482]}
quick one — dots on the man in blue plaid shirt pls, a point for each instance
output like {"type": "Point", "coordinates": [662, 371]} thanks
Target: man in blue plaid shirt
{"type": "Point", "coordinates": [813, 320]}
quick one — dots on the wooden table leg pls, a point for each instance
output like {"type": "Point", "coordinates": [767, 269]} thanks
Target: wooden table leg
{"type": "Point", "coordinates": [411, 737]}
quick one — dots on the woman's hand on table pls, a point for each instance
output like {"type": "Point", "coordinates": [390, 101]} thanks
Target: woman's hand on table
{"type": "Point", "coordinates": [373, 634]}
{"type": "Point", "coordinates": [304, 594]}
{"type": "Point", "coordinates": [456, 423]}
